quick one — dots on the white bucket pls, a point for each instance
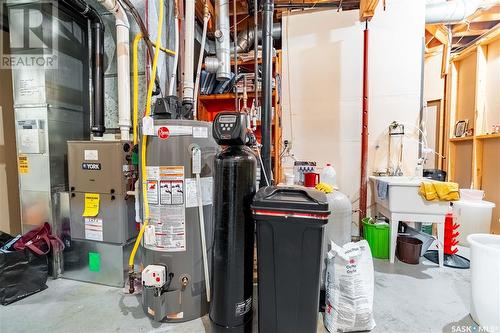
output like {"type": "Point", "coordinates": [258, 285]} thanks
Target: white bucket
{"type": "Point", "coordinates": [474, 217]}
{"type": "Point", "coordinates": [471, 195]}
{"type": "Point", "coordinates": [485, 280]}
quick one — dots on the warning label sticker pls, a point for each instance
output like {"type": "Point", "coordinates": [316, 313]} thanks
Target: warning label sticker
{"type": "Point", "coordinates": [152, 192]}
{"type": "Point", "coordinates": [93, 228]}
{"type": "Point", "coordinates": [168, 212]}
{"type": "Point", "coordinates": [23, 164]}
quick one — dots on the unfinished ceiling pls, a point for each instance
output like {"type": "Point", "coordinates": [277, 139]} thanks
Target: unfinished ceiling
{"type": "Point", "coordinates": [463, 34]}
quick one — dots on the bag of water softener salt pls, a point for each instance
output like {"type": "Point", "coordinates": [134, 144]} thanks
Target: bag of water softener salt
{"type": "Point", "coordinates": [349, 288]}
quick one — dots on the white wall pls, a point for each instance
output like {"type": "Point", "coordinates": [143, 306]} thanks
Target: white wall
{"type": "Point", "coordinates": [322, 86]}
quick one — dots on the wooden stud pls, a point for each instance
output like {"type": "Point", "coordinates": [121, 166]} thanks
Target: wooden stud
{"type": "Point", "coordinates": [477, 163]}
{"type": "Point", "coordinates": [480, 96]}
{"type": "Point", "coordinates": [367, 9]}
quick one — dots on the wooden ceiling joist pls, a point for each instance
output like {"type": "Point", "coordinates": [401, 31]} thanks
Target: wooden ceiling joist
{"type": "Point", "coordinates": [367, 9]}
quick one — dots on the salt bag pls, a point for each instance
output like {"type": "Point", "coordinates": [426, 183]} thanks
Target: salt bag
{"type": "Point", "coordinates": [349, 288]}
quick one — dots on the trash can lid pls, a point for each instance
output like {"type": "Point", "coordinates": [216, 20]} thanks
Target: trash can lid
{"type": "Point", "coordinates": [291, 199]}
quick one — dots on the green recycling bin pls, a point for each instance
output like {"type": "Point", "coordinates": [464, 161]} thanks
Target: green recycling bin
{"type": "Point", "coordinates": [377, 236]}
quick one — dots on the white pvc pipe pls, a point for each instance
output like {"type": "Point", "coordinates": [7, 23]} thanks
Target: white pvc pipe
{"type": "Point", "coordinates": [188, 89]}
{"type": "Point", "coordinates": [123, 68]}
{"type": "Point", "coordinates": [173, 75]}
{"type": "Point", "coordinates": [206, 17]}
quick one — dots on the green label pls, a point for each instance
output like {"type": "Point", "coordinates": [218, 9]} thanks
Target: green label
{"type": "Point", "coordinates": [94, 262]}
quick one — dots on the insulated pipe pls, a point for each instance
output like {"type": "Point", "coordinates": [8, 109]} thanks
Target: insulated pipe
{"type": "Point", "coordinates": [188, 87]}
{"type": "Point", "coordinates": [206, 17]}
{"type": "Point", "coordinates": [364, 135]}
{"type": "Point", "coordinates": [450, 11]}
{"type": "Point", "coordinates": [123, 60]}
{"type": "Point", "coordinates": [267, 89]}
{"type": "Point", "coordinates": [246, 38]}
{"type": "Point", "coordinates": [222, 40]}
{"type": "Point", "coordinates": [302, 5]}
{"type": "Point", "coordinates": [97, 28]}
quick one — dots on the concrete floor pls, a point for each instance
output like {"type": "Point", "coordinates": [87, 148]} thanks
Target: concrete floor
{"type": "Point", "coordinates": [421, 298]}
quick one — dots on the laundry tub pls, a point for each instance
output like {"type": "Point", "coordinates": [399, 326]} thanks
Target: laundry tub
{"type": "Point", "coordinates": [485, 277]}
{"type": "Point", "coordinates": [474, 217]}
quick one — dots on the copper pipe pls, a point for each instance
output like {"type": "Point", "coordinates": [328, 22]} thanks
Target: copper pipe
{"type": "Point", "coordinates": [364, 135]}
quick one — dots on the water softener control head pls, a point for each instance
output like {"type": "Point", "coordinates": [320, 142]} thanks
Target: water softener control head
{"type": "Point", "coordinates": [230, 128]}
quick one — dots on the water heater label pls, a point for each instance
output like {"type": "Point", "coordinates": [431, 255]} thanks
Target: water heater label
{"type": "Point", "coordinates": [200, 132]}
{"type": "Point", "coordinates": [167, 208]}
{"type": "Point", "coordinates": [207, 184]}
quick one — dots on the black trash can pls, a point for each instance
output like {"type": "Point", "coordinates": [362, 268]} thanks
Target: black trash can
{"type": "Point", "coordinates": [290, 222]}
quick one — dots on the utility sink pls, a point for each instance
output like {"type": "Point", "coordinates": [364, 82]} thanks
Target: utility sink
{"type": "Point", "coordinates": [402, 196]}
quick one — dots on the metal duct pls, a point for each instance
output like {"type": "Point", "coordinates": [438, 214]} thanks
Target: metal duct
{"type": "Point", "coordinates": [97, 28]}
{"type": "Point", "coordinates": [246, 37]}
{"type": "Point", "coordinates": [450, 11]}
{"type": "Point", "coordinates": [222, 40]}
{"type": "Point", "coordinates": [123, 61]}
{"type": "Point", "coordinates": [267, 89]}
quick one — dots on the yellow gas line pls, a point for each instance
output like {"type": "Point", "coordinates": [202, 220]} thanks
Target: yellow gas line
{"type": "Point", "coordinates": [144, 137]}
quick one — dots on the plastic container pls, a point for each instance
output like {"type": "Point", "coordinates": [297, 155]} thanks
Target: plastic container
{"type": "Point", "coordinates": [427, 228]}
{"type": "Point", "coordinates": [290, 222]}
{"type": "Point", "coordinates": [426, 239]}
{"type": "Point", "coordinates": [473, 217]}
{"type": "Point", "coordinates": [329, 175]}
{"type": "Point", "coordinates": [338, 228]}
{"type": "Point", "coordinates": [377, 236]}
{"type": "Point", "coordinates": [408, 249]}
{"type": "Point", "coordinates": [471, 195]}
{"type": "Point", "coordinates": [485, 274]}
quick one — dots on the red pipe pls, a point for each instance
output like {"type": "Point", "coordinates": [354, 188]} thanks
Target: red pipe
{"type": "Point", "coordinates": [364, 136]}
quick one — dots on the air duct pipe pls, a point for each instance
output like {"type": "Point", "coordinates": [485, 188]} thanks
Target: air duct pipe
{"type": "Point", "coordinates": [123, 60]}
{"type": "Point", "coordinates": [246, 37]}
{"type": "Point", "coordinates": [188, 86]}
{"type": "Point", "coordinates": [450, 11]}
{"type": "Point", "coordinates": [221, 64]}
{"type": "Point", "coordinates": [267, 89]}
{"type": "Point", "coordinates": [97, 28]}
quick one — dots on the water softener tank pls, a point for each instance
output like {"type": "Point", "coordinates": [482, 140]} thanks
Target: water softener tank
{"type": "Point", "coordinates": [233, 250]}
{"type": "Point", "coordinates": [179, 170]}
